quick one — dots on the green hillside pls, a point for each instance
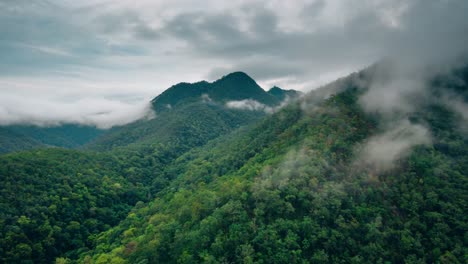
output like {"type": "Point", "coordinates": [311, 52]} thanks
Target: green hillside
{"type": "Point", "coordinates": [202, 183]}
{"type": "Point", "coordinates": [23, 137]}
{"type": "Point", "coordinates": [106, 184]}
{"type": "Point", "coordinates": [188, 125]}
{"type": "Point", "coordinates": [290, 191]}
{"type": "Point", "coordinates": [11, 141]}
{"type": "Point", "coordinates": [54, 201]}
{"type": "Point", "coordinates": [188, 115]}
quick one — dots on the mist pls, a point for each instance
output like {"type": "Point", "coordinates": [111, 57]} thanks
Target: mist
{"type": "Point", "coordinates": [249, 104]}
{"type": "Point", "coordinates": [101, 112]}
{"type": "Point", "coordinates": [382, 151]}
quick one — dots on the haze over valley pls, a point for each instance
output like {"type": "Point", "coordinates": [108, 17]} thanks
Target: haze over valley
{"type": "Point", "coordinates": [244, 132]}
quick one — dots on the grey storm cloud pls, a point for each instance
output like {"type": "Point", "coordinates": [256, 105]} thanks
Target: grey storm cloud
{"type": "Point", "coordinates": [141, 48]}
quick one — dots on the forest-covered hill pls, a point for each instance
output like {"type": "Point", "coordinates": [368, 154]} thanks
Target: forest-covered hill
{"type": "Point", "coordinates": [23, 137]}
{"type": "Point", "coordinates": [334, 177]}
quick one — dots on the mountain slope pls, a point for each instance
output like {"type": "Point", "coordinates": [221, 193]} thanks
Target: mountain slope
{"type": "Point", "coordinates": [191, 122]}
{"type": "Point", "coordinates": [53, 201]}
{"type": "Point", "coordinates": [188, 123]}
{"type": "Point", "coordinates": [293, 190]}
{"type": "Point", "coordinates": [11, 141]}
{"type": "Point", "coordinates": [189, 115]}
{"type": "Point", "coordinates": [23, 137]}
{"type": "Point", "coordinates": [101, 186]}
{"type": "Point", "coordinates": [303, 185]}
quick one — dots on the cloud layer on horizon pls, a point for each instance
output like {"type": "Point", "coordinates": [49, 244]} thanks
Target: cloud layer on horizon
{"type": "Point", "coordinates": [59, 54]}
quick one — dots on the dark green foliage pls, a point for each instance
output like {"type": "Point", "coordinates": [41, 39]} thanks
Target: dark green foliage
{"type": "Point", "coordinates": [24, 137]}
{"type": "Point", "coordinates": [148, 146]}
{"type": "Point", "coordinates": [54, 201]}
{"type": "Point", "coordinates": [67, 135]}
{"type": "Point", "coordinates": [11, 141]}
{"type": "Point", "coordinates": [187, 126]}
{"type": "Point", "coordinates": [286, 189]}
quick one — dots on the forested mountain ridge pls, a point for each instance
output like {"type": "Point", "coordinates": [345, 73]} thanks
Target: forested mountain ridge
{"type": "Point", "coordinates": [23, 137]}
{"type": "Point", "coordinates": [189, 115]}
{"type": "Point", "coordinates": [325, 179]}
{"type": "Point", "coordinates": [310, 185]}
{"type": "Point", "coordinates": [232, 87]}
{"type": "Point", "coordinates": [206, 99]}
{"type": "Point", "coordinates": [37, 221]}
{"type": "Point", "coordinates": [11, 141]}
{"type": "Point", "coordinates": [169, 126]}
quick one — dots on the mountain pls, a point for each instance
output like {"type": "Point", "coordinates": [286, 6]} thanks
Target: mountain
{"type": "Point", "coordinates": [300, 187]}
{"type": "Point", "coordinates": [199, 112]}
{"type": "Point", "coordinates": [190, 115]}
{"type": "Point", "coordinates": [175, 108]}
{"type": "Point", "coordinates": [120, 167]}
{"type": "Point", "coordinates": [235, 86]}
{"type": "Point", "coordinates": [23, 137]}
{"type": "Point", "coordinates": [282, 94]}
{"type": "Point", "coordinates": [11, 141]}
{"type": "Point", "coordinates": [321, 180]}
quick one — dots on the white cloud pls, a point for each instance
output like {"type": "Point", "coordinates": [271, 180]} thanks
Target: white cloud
{"type": "Point", "coordinates": [249, 104]}
{"type": "Point", "coordinates": [139, 48]}
{"type": "Point", "coordinates": [100, 112]}
{"type": "Point", "coordinates": [383, 150]}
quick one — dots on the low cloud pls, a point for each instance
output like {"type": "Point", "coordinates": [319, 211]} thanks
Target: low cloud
{"type": "Point", "coordinates": [458, 105]}
{"type": "Point", "coordinates": [253, 105]}
{"type": "Point", "coordinates": [397, 89]}
{"type": "Point", "coordinates": [206, 98]}
{"type": "Point", "coordinates": [249, 104]}
{"type": "Point", "coordinates": [394, 89]}
{"type": "Point", "coordinates": [302, 164]}
{"type": "Point", "coordinates": [100, 112]}
{"type": "Point", "coordinates": [382, 151]}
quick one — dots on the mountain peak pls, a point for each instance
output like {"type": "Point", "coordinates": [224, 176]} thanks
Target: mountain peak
{"type": "Point", "coordinates": [275, 89]}
{"type": "Point", "coordinates": [282, 94]}
{"type": "Point", "coordinates": [238, 74]}
{"type": "Point", "coordinates": [236, 77]}
{"type": "Point", "coordinates": [231, 87]}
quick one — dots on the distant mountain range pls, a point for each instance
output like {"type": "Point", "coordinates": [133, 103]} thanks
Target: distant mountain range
{"type": "Point", "coordinates": [23, 137]}
{"type": "Point", "coordinates": [232, 87]}
{"type": "Point", "coordinates": [178, 106]}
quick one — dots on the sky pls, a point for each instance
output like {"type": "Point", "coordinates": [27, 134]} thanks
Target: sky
{"type": "Point", "coordinates": [100, 62]}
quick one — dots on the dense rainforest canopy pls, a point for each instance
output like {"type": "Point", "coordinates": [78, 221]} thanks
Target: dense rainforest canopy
{"type": "Point", "coordinates": [203, 183]}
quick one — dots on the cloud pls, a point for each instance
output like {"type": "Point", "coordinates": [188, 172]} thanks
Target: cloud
{"type": "Point", "coordinates": [100, 112]}
{"type": "Point", "coordinates": [381, 151]}
{"type": "Point", "coordinates": [249, 104]}
{"type": "Point", "coordinates": [144, 47]}
{"type": "Point", "coordinates": [253, 105]}
{"type": "Point", "coordinates": [206, 98]}
{"type": "Point", "coordinates": [399, 88]}
{"type": "Point", "coordinates": [395, 88]}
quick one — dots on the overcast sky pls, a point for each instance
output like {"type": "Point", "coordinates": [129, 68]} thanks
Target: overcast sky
{"type": "Point", "coordinates": [100, 61]}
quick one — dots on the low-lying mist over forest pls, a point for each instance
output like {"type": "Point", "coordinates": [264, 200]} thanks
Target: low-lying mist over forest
{"type": "Point", "coordinates": [310, 131]}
